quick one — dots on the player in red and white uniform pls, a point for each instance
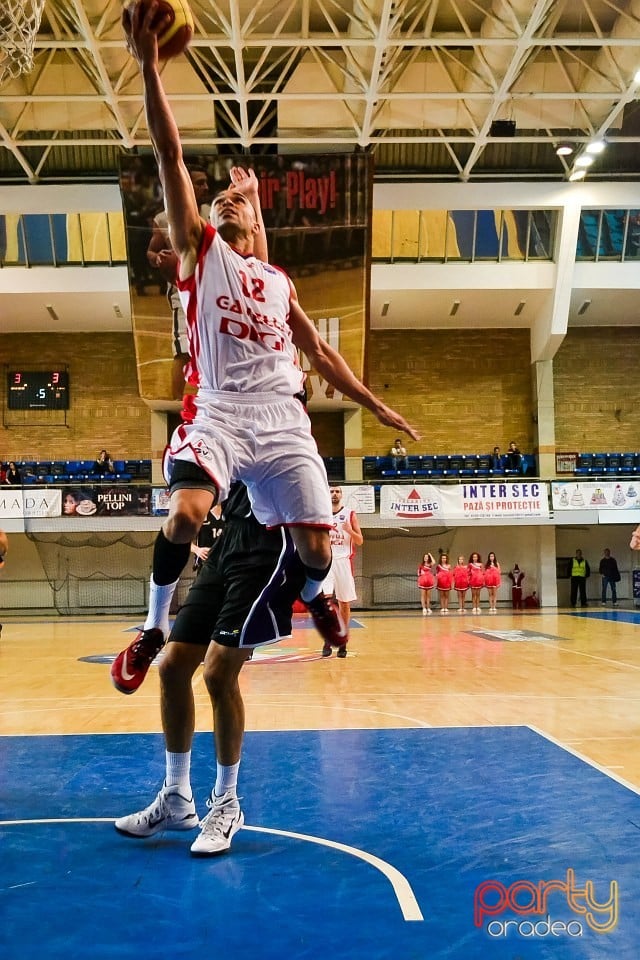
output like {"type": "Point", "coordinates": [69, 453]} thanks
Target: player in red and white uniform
{"type": "Point", "coordinates": [245, 327]}
{"type": "Point", "coordinates": [492, 578]}
{"type": "Point", "coordinates": [345, 535]}
{"type": "Point", "coordinates": [476, 580]}
{"type": "Point", "coordinates": [461, 581]}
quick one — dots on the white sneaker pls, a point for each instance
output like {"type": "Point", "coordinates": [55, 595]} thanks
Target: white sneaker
{"type": "Point", "coordinates": [169, 811]}
{"type": "Point", "coordinates": [224, 819]}
{"type": "Point", "coordinates": [424, 612]}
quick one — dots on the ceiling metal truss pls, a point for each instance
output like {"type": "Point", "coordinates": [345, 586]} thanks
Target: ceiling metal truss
{"type": "Point", "coordinates": [421, 83]}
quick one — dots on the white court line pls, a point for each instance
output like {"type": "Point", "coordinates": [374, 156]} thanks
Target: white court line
{"type": "Point", "coordinates": [592, 763]}
{"type": "Point", "coordinates": [401, 886]}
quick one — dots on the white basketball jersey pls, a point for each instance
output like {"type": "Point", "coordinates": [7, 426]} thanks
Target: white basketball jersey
{"type": "Point", "coordinates": [237, 311]}
{"type": "Point", "coordinates": [341, 543]}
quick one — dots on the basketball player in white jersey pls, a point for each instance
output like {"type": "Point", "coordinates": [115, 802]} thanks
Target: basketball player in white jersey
{"type": "Point", "coordinates": [345, 535]}
{"type": "Point", "coordinates": [245, 327]}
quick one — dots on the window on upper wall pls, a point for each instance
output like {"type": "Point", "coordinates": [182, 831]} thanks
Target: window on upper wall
{"type": "Point", "coordinates": [58, 239]}
{"type": "Point", "coordinates": [609, 235]}
{"type": "Point", "coordinates": [463, 235]}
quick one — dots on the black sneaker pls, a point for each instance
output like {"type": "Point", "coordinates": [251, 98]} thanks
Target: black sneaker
{"type": "Point", "coordinates": [342, 651]}
{"type": "Point", "coordinates": [326, 650]}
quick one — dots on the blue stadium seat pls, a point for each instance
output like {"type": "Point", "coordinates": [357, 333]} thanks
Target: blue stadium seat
{"type": "Point", "coordinates": [629, 463]}
{"type": "Point", "coordinates": [483, 468]}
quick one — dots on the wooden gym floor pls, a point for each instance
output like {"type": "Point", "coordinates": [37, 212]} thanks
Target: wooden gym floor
{"type": "Point", "coordinates": [508, 745]}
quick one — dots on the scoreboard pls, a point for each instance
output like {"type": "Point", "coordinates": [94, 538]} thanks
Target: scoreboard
{"type": "Point", "coordinates": [38, 390]}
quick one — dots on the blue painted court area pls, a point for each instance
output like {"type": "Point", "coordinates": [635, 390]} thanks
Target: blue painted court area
{"type": "Point", "coordinates": [408, 844]}
{"type": "Point", "coordinates": [602, 613]}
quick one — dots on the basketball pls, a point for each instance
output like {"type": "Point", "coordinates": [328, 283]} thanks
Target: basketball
{"type": "Point", "coordinates": [176, 36]}
{"type": "Point", "coordinates": [4, 545]}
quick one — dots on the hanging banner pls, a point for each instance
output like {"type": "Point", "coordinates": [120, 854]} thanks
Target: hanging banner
{"type": "Point", "coordinates": [30, 503]}
{"type": "Point", "coordinates": [448, 504]}
{"type": "Point", "coordinates": [596, 495]}
{"type": "Point", "coordinates": [316, 211]}
{"type": "Point", "coordinates": [123, 500]}
{"type": "Point", "coordinates": [361, 498]}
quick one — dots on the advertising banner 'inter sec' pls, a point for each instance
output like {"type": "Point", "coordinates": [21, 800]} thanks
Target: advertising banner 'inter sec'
{"type": "Point", "coordinates": [485, 500]}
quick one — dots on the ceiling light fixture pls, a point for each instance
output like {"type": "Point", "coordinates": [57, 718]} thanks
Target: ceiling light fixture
{"type": "Point", "coordinates": [564, 149]}
{"type": "Point", "coordinates": [455, 306]}
{"type": "Point", "coordinates": [583, 309]}
{"type": "Point", "coordinates": [584, 161]}
{"type": "Point", "coordinates": [577, 175]}
{"type": "Point", "coordinates": [636, 76]}
{"type": "Point", "coordinates": [596, 147]}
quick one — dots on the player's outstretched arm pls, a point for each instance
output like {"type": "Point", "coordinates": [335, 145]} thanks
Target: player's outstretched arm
{"type": "Point", "coordinates": [246, 182]}
{"type": "Point", "coordinates": [142, 24]}
{"type": "Point", "coordinates": [333, 368]}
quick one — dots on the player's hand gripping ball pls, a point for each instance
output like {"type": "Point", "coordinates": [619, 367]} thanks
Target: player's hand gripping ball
{"type": "Point", "coordinates": [176, 35]}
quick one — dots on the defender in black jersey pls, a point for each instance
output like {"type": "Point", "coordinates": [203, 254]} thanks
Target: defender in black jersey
{"type": "Point", "coordinates": [241, 598]}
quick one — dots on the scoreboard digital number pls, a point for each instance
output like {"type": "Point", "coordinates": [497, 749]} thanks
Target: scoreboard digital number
{"type": "Point", "coordinates": [38, 390]}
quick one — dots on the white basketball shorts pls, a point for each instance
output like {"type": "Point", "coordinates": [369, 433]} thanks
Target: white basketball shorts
{"type": "Point", "coordinates": [265, 440]}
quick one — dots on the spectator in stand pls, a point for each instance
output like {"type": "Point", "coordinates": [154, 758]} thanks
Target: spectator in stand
{"type": "Point", "coordinates": [103, 463]}
{"type": "Point", "coordinates": [444, 582]}
{"type": "Point", "coordinates": [634, 543]}
{"type": "Point", "coordinates": [399, 459]}
{"type": "Point", "coordinates": [531, 602]}
{"type": "Point", "coordinates": [461, 581]}
{"type": "Point", "coordinates": [12, 474]}
{"type": "Point", "coordinates": [496, 459]}
{"type": "Point", "coordinates": [514, 458]}
{"type": "Point", "coordinates": [492, 576]}
{"type": "Point", "coordinates": [516, 576]}
{"type": "Point", "coordinates": [610, 574]}
{"type": "Point", "coordinates": [426, 583]}
{"type": "Point", "coordinates": [476, 580]}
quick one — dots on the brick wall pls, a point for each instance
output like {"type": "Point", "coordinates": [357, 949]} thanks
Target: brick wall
{"type": "Point", "coordinates": [596, 382]}
{"type": "Point", "coordinates": [465, 390]}
{"type": "Point", "coordinates": [105, 409]}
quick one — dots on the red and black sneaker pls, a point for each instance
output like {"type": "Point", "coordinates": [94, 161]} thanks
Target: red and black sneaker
{"type": "Point", "coordinates": [328, 621]}
{"type": "Point", "coordinates": [130, 667]}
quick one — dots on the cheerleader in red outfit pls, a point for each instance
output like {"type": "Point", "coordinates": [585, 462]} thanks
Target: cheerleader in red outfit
{"type": "Point", "coordinates": [476, 580]}
{"type": "Point", "coordinates": [492, 580]}
{"type": "Point", "coordinates": [444, 581]}
{"type": "Point", "coordinates": [461, 581]}
{"type": "Point", "coordinates": [426, 582]}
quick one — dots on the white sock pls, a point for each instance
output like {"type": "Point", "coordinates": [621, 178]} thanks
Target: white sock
{"type": "Point", "coordinates": [159, 602]}
{"type": "Point", "coordinates": [178, 769]}
{"type": "Point", "coordinates": [226, 779]}
{"type": "Point", "coordinates": [311, 589]}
